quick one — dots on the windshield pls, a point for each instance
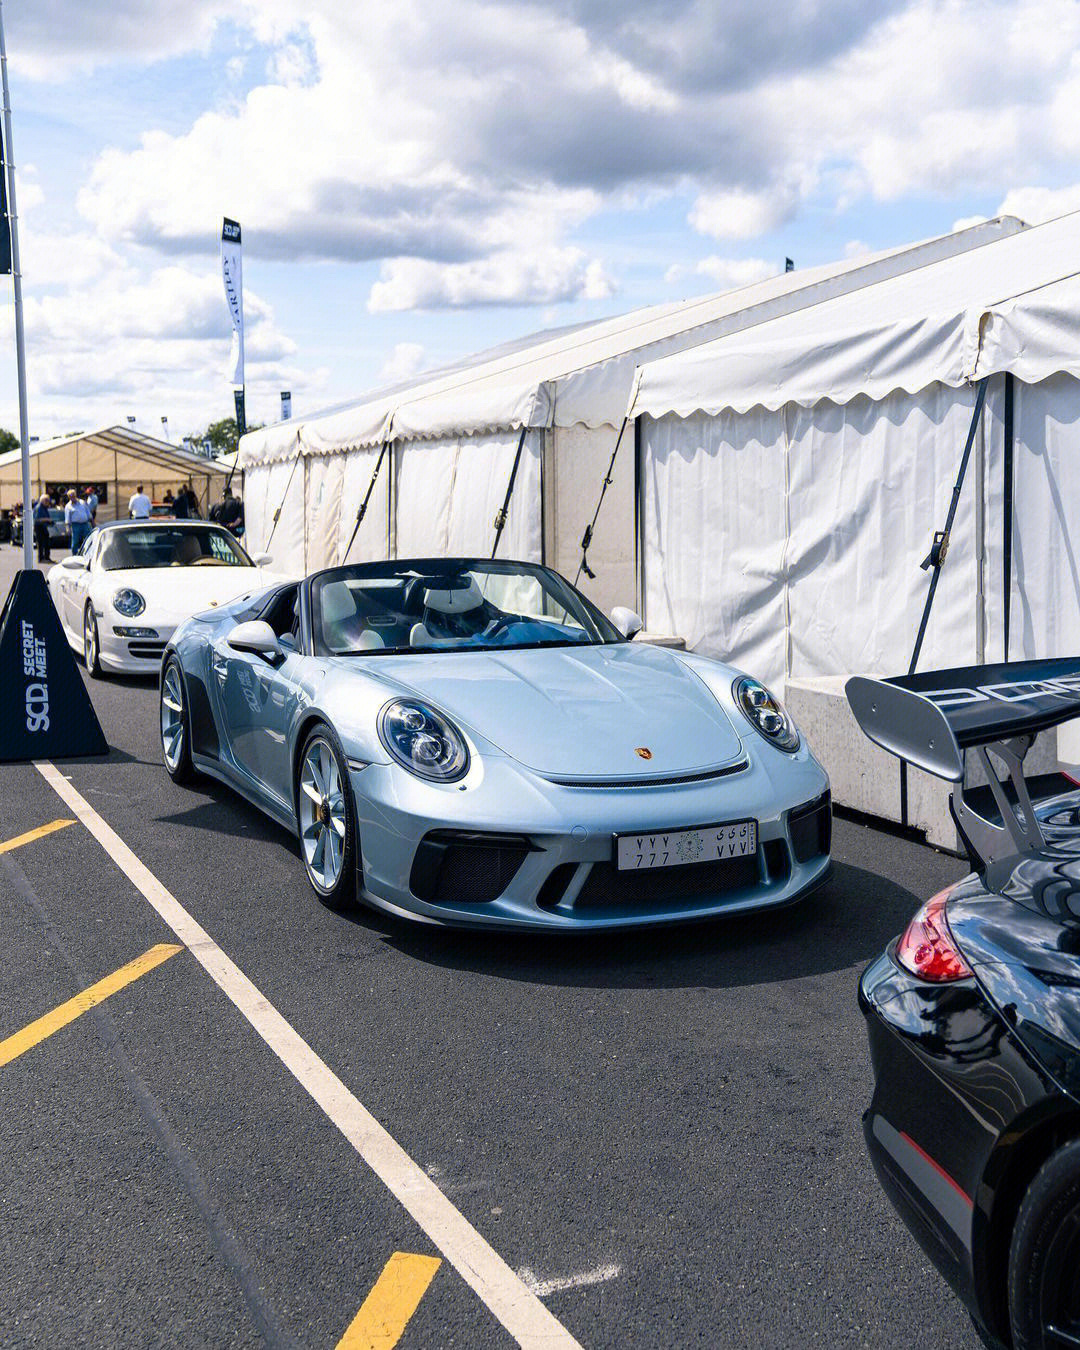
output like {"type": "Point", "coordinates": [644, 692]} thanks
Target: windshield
{"type": "Point", "coordinates": [450, 604]}
{"type": "Point", "coordinates": [171, 546]}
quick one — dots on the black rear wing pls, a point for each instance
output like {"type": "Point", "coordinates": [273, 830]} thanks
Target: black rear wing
{"type": "Point", "coordinates": [930, 719]}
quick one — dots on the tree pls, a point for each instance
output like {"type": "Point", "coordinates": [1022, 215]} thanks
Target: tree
{"type": "Point", "coordinates": [8, 441]}
{"type": "Point", "coordinates": [221, 435]}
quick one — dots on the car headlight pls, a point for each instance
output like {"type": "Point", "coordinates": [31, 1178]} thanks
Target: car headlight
{"type": "Point", "coordinates": [423, 741]}
{"type": "Point", "coordinates": [128, 602]}
{"type": "Point", "coordinates": [767, 714]}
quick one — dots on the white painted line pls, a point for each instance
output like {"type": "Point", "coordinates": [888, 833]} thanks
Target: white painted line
{"type": "Point", "coordinates": [560, 1283]}
{"type": "Point", "coordinates": [505, 1294]}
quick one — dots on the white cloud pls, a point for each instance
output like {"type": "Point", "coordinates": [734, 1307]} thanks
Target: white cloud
{"type": "Point", "coordinates": [727, 273]}
{"type": "Point", "coordinates": [740, 214]}
{"type": "Point", "coordinates": [406, 360]}
{"type": "Point", "coordinates": [510, 278]}
{"type": "Point", "coordinates": [1036, 204]}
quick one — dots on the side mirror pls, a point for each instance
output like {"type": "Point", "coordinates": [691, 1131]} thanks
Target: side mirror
{"type": "Point", "coordinates": [626, 621]}
{"type": "Point", "coordinates": [76, 563]}
{"type": "Point", "coordinates": [262, 559]}
{"type": "Point", "coordinates": [258, 637]}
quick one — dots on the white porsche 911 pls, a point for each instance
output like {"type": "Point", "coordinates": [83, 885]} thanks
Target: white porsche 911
{"type": "Point", "coordinates": [135, 581]}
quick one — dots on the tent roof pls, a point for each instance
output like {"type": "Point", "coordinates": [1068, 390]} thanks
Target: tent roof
{"type": "Point", "coordinates": [133, 444]}
{"type": "Point", "coordinates": [1012, 305]}
{"type": "Point", "coordinates": [584, 375]}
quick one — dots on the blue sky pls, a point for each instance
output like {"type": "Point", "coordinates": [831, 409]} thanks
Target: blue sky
{"type": "Point", "coordinates": [418, 181]}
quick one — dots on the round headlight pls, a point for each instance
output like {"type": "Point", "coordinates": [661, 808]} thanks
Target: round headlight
{"type": "Point", "coordinates": [767, 713]}
{"type": "Point", "coordinates": [128, 602]}
{"type": "Point", "coordinates": [423, 741]}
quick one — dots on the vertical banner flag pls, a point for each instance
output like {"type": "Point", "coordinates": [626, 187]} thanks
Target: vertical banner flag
{"type": "Point", "coordinates": [286, 404]}
{"type": "Point", "coordinates": [232, 274]}
{"type": "Point", "coordinates": [5, 220]}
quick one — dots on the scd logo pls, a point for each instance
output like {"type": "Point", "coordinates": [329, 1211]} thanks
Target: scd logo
{"type": "Point", "coordinates": [37, 707]}
{"type": "Point", "coordinates": [35, 669]}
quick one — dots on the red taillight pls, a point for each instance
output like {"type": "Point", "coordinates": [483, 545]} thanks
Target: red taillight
{"type": "Point", "coordinates": [927, 947]}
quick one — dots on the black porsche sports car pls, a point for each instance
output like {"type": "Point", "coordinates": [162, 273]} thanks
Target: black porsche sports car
{"type": "Point", "coordinates": [973, 1012]}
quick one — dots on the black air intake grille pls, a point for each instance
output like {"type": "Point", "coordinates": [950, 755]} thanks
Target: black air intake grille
{"type": "Point", "coordinates": [606, 887]}
{"type": "Point", "coordinates": [454, 867]}
{"type": "Point", "coordinates": [811, 829]}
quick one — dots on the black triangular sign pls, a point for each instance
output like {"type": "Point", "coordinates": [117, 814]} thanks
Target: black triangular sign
{"type": "Point", "coordinates": [45, 711]}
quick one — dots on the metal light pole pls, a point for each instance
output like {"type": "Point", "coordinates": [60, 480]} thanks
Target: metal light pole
{"type": "Point", "coordinates": [20, 340]}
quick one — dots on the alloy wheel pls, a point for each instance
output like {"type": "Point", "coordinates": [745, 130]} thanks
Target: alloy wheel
{"type": "Point", "coordinates": [321, 804]}
{"type": "Point", "coordinates": [172, 717]}
{"type": "Point", "coordinates": [90, 639]}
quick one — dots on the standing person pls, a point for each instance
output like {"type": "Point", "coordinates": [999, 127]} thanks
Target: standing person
{"type": "Point", "coordinates": [232, 513]}
{"type": "Point", "coordinates": [77, 518]}
{"type": "Point", "coordinates": [139, 505]}
{"type": "Point", "coordinates": [41, 527]}
{"type": "Point", "coordinates": [180, 507]}
{"type": "Point", "coordinates": [92, 504]}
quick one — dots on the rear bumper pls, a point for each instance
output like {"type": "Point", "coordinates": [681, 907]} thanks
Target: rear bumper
{"type": "Point", "coordinates": [954, 1096]}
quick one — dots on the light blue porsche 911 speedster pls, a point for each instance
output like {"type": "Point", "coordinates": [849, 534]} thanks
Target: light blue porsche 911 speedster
{"type": "Point", "coordinates": [471, 742]}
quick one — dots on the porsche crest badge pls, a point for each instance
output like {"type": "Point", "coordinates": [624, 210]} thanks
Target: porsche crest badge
{"type": "Point", "coordinates": [643, 751]}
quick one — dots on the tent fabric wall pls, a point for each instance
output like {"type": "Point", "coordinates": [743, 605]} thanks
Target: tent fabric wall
{"type": "Point", "coordinates": [267, 488]}
{"type": "Point", "coordinates": [448, 491]}
{"type": "Point", "coordinates": [1046, 542]}
{"type": "Point", "coordinates": [324, 482]}
{"type": "Point", "coordinates": [715, 535]}
{"type": "Point", "coordinates": [788, 542]}
{"type": "Point", "coordinates": [372, 542]}
{"type": "Point", "coordinates": [579, 460]}
{"type": "Point", "coordinates": [869, 483]}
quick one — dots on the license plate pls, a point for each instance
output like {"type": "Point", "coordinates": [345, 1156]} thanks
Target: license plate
{"type": "Point", "coordinates": [676, 848]}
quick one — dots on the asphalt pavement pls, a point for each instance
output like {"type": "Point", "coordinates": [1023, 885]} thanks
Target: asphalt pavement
{"type": "Point", "coordinates": [659, 1133]}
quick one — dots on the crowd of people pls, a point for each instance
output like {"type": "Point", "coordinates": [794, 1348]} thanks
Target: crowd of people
{"type": "Point", "coordinates": [80, 508]}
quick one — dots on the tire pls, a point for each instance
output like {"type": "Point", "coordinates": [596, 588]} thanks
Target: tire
{"type": "Point", "coordinates": [91, 644]}
{"type": "Point", "coordinates": [1044, 1256]}
{"type": "Point", "coordinates": [174, 723]}
{"type": "Point", "coordinates": [326, 818]}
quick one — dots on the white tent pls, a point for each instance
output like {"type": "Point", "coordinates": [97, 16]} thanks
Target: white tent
{"type": "Point", "coordinates": [792, 477]}
{"type": "Point", "coordinates": [115, 460]}
{"type": "Point", "coordinates": [553, 403]}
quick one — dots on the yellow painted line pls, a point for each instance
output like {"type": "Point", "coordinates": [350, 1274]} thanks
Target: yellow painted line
{"type": "Point", "coordinates": [385, 1313]}
{"type": "Point", "coordinates": [31, 835]}
{"type": "Point", "coordinates": [38, 1030]}
{"type": "Point", "coordinates": [503, 1291]}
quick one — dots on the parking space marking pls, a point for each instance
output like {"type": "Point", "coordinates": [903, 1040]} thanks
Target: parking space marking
{"type": "Point", "coordinates": [395, 1296]}
{"type": "Point", "coordinates": [31, 835]}
{"type": "Point", "coordinates": [503, 1292]}
{"type": "Point", "coordinates": [44, 1026]}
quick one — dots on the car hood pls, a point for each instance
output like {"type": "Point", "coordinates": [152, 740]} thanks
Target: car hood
{"type": "Point", "coordinates": [175, 593]}
{"type": "Point", "coordinates": [578, 712]}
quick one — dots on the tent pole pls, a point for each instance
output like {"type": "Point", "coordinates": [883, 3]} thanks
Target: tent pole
{"type": "Point", "coordinates": [1007, 509]}
{"type": "Point", "coordinates": [362, 512]}
{"type": "Point", "coordinates": [500, 515]}
{"type": "Point", "coordinates": [936, 557]}
{"type": "Point", "coordinates": [20, 335]}
{"type": "Point", "coordinates": [586, 538]}
{"type": "Point", "coordinates": [639, 518]}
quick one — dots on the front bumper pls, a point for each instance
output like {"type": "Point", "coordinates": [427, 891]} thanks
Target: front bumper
{"type": "Point", "coordinates": [544, 852]}
{"type": "Point", "coordinates": [128, 655]}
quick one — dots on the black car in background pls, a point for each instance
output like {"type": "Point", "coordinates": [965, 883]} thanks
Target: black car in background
{"type": "Point", "coordinates": [973, 1013]}
{"type": "Point", "coordinates": [59, 530]}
